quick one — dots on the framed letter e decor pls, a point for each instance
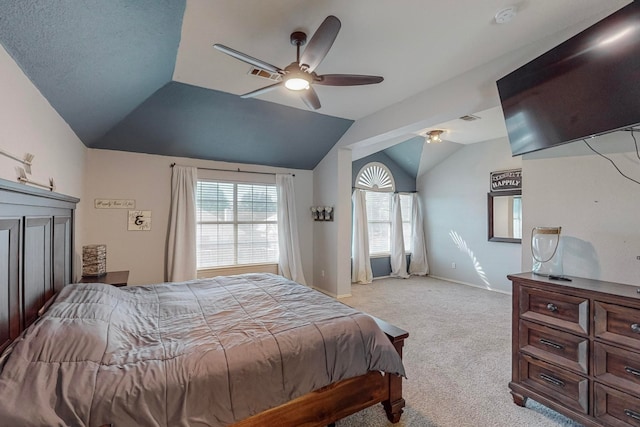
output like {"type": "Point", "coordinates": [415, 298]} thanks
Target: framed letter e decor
{"type": "Point", "coordinates": [139, 221]}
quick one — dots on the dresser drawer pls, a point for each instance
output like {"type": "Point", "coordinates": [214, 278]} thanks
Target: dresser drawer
{"type": "Point", "coordinates": [560, 348]}
{"type": "Point", "coordinates": [617, 367]}
{"type": "Point", "coordinates": [569, 389]}
{"type": "Point", "coordinates": [616, 408]}
{"type": "Point", "coordinates": [554, 309]}
{"type": "Point", "coordinates": [618, 324]}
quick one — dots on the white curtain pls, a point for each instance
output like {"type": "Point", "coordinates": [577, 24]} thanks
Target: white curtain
{"type": "Point", "coordinates": [398, 255]}
{"type": "Point", "coordinates": [181, 243]}
{"type": "Point", "coordinates": [361, 268]}
{"type": "Point", "coordinates": [289, 261]}
{"type": "Point", "coordinates": [419, 265]}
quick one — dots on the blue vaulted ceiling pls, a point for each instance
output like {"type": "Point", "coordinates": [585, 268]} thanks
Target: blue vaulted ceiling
{"type": "Point", "coordinates": [189, 121]}
{"type": "Point", "coordinates": [94, 61]}
{"type": "Point", "coordinates": [107, 67]}
{"type": "Point", "coordinates": [407, 154]}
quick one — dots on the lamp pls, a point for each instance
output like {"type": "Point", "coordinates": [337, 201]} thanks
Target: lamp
{"type": "Point", "coordinates": [433, 136]}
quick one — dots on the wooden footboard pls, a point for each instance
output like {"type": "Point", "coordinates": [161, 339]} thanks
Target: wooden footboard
{"type": "Point", "coordinates": [395, 402]}
{"type": "Point", "coordinates": [338, 400]}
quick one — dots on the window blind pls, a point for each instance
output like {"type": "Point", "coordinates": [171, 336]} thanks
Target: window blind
{"type": "Point", "coordinates": [379, 221]}
{"type": "Point", "coordinates": [236, 224]}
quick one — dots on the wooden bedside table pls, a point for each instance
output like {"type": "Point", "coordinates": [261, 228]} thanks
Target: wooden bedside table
{"type": "Point", "coordinates": [114, 278]}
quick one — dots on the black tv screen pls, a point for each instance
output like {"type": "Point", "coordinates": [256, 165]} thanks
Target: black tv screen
{"type": "Point", "coordinates": [586, 86]}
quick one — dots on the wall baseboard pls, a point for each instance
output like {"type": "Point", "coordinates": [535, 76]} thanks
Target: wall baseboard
{"type": "Point", "coordinates": [331, 294]}
{"type": "Point", "coordinates": [446, 279]}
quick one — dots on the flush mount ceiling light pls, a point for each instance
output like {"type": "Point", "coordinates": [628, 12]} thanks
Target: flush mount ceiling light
{"type": "Point", "coordinates": [433, 136]}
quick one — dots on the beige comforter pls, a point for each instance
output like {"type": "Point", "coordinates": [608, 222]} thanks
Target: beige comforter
{"type": "Point", "coordinates": [199, 353]}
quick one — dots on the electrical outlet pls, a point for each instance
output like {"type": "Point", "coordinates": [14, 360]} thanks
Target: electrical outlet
{"type": "Point", "coordinates": [322, 273]}
{"type": "Point", "coordinates": [453, 265]}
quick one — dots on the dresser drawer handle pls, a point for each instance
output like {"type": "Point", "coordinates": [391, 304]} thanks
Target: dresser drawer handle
{"type": "Point", "coordinates": [552, 380]}
{"type": "Point", "coordinates": [635, 328]}
{"type": "Point", "coordinates": [632, 414]}
{"type": "Point", "coordinates": [551, 344]}
{"type": "Point", "coordinates": [554, 308]}
{"type": "Point", "coordinates": [632, 371]}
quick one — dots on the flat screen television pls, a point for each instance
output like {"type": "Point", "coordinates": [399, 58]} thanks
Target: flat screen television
{"type": "Point", "coordinates": [586, 86]}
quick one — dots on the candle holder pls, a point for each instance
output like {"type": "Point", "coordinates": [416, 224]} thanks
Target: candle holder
{"type": "Point", "coordinates": [546, 251]}
{"type": "Point", "coordinates": [94, 260]}
{"type": "Point", "coordinates": [322, 213]}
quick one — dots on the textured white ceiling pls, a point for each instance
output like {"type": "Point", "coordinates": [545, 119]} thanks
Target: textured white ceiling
{"type": "Point", "coordinates": [414, 44]}
{"type": "Point", "coordinates": [488, 125]}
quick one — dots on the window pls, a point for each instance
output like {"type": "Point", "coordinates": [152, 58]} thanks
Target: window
{"type": "Point", "coordinates": [237, 224]}
{"type": "Point", "coordinates": [379, 184]}
{"type": "Point", "coordinates": [517, 217]}
{"type": "Point", "coordinates": [379, 209]}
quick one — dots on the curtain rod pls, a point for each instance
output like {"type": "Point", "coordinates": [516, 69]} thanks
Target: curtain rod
{"type": "Point", "coordinates": [392, 192]}
{"type": "Point", "coordinates": [238, 170]}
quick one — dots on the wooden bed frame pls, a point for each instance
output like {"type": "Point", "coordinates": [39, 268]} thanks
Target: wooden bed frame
{"type": "Point", "coordinates": [336, 401]}
{"type": "Point", "coordinates": [36, 239]}
{"type": "Point", "coordinates": [36, 253]}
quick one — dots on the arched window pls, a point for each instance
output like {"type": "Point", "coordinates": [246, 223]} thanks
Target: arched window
{"type": "Point", "coordinates": [376, 179]}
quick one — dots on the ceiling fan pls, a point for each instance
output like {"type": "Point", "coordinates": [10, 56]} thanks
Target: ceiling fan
{"type": "Point", "coordinates": [300, 75]}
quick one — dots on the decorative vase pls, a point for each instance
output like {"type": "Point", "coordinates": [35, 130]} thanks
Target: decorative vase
{"type": "Point", "coordinates": [546, 251]}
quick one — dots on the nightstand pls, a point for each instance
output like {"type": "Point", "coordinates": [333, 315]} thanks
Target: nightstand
{"type": "Point", "coordinates": [114, 278]}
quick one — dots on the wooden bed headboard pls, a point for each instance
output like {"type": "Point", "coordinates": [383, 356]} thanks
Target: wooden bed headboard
{"type": "Point", "coordinates": [36, 253]}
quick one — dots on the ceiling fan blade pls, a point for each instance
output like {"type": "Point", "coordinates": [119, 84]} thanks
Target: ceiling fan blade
{"type": "Point", "coordinates": [261, 90]}
{"type": "Point", "coordinates": [248, 59]}
{"type": "Point", "coordinates": [310, 98]}
{"type": "Point", "coordinates": [346, 80]}
{"type": "Point", "coordinates": [320, 43]}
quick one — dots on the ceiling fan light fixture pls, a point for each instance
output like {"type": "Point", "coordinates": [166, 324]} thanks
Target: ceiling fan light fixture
{"type": "Point", "coordinates": [296, 83]}
{"type": "Point", "coordinates": [433, 136]}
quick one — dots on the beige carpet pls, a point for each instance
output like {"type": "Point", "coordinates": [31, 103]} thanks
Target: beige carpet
{"type": "Point", "coordinates": [457, 357]}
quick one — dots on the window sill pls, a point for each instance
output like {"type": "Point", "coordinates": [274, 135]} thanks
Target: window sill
{"type": "Point", "coordinates": [384, 255]}
{"type": "Point", "coordinates": [231, 270]}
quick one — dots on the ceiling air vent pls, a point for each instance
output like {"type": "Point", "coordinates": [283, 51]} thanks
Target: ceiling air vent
{"type": "Point", "coordinates": [254, 71]}
{"type": "Point", "coordinates": [469, 118]}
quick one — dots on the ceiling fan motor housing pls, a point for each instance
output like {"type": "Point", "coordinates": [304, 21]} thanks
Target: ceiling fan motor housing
{"type": "Point", "coordinates": [298, 38]}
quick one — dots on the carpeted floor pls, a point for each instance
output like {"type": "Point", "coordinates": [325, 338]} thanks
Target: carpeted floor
{"type": "Point", "coordinates": [457, 357]}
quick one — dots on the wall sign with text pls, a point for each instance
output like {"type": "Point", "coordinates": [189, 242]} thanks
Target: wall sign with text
{"type": "Point", "coordinates": [506, 180]}
{"type": "Point", "coordinates": [114, 204]}
{"type": "Point", "coordinates": [139, 221]}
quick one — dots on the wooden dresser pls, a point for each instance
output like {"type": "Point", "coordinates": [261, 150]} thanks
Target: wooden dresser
{"type": "Point", "coordinates": [576, 348]}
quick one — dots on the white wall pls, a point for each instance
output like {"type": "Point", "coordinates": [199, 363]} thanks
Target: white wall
{"type": "Point", "coordinates": [147, 179]}
{"type": "Point", "coordinates": [29, 124]}
{"type": "Point", "coordinates": [465, 93]}
{"type": "Point", "coordinates": [597, 208]}
{"type": "Point", "coordinates": [332, 240]}
{"type": "Point", "coordinates": [454, 202]}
